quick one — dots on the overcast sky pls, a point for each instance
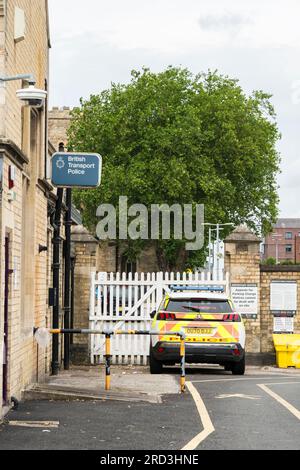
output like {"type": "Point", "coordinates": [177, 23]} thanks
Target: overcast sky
{"type": "Point", "coordinates": [96, 42]}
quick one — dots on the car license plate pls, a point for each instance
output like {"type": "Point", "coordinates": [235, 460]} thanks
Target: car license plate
{"type": "Point", "coordinates": [199, 331]}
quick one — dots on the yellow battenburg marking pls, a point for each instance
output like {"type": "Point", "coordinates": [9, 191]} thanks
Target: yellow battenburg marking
{"type": "Point", "coordinates": [214, 332]}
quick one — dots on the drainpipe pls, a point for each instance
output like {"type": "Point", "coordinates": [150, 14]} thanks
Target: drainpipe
{"type": "Point", "coordinates": [73, 262]}
{"type": "Point", "coordinates": [67, 297]}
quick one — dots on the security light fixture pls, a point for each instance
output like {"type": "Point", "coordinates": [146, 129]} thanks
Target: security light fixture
{"type": "Point", "coordinates": [30, 95]}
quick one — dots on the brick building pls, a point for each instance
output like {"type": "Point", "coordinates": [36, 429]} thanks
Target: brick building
{"type": "Point", "coordinates": [283, 244]}
{"type": "Point", "coordinates": [26, 201]}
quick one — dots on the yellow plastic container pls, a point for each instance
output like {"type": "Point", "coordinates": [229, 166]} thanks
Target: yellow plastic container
{"type": "Point", "coordinates": [287, 350]}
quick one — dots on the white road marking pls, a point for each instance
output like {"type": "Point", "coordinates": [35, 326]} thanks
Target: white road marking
{"type": "Point", "coordinates": [240, 395]}
{"type": "Point", "coordinates": [240, 379]}
{"type": "Point", "coordinates": [208, 427]}
{"type": "Point", "coordinates": [280, 400]}
{"type": "Point", "coordinates": [35, 424]}
{"type": "Point", "coordinates": [282, 383]}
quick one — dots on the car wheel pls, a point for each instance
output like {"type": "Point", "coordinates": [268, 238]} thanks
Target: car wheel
{"type": "Point", "coordinates": [238, 368]}
{"type": "Point", "coordinates": [155, 365]}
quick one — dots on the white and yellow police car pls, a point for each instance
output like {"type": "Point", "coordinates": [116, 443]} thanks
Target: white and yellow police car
{"type": "Point", "coordinates": [215, 332]}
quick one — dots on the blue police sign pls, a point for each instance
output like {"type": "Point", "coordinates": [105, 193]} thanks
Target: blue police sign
{"type": "Point", "coordinates": [76, 170]}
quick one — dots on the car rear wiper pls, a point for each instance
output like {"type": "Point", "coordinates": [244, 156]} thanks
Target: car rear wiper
{"type": "Point", "coordinates": [193, 307]}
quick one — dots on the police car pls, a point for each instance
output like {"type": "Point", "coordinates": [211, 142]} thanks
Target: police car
{"type": "Point", "coordinates": [215, 332]}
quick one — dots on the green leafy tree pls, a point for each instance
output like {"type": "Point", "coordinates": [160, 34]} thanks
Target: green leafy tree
{"type": "Point", "coordinates": [172, 138]}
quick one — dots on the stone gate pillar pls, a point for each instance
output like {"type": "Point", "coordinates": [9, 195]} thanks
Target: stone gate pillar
{"type": "Point", "coordinates": [242, 261]}
{"type": "Point", "coordinates": [84, 249]}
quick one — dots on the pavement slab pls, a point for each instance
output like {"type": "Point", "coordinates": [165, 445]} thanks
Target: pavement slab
{"type": "Point", "coordinates": [128, 383]}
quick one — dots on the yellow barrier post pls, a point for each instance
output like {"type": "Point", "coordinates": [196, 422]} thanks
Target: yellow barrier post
{"type": "Point", "coordinates": [107, 360]}
{"type": "Point", "coordinates": [182, 363]}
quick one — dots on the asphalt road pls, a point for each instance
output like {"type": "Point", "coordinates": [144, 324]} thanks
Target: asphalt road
{"type": "Point", "coordinates": [258, 411]}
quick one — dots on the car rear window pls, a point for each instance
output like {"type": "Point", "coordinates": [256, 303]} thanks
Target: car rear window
{"type": "Point", "coordinates": [198, 305]}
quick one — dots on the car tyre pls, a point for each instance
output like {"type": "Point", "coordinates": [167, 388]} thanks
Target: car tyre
{"type": "Point", "coordinates": [238, 368]}
{"type": "Point", "coordinates": [155, 365]}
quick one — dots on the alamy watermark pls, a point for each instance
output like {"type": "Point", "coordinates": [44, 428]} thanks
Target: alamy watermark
{"type": "Point", "coordinates": [159, 222]}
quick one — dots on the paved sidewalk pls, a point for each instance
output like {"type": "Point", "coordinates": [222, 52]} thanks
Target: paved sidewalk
{"type": "Point", "coordinates": [128, 383]}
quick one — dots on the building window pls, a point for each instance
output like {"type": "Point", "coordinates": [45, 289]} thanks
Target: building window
{"type": "Point", "coordinates": [128, 266]}
{"type": "Point", "coordinates": [288, 235]}
{"type": "Point", "coordinates": [288, 248]}
{"type": "Point", "coordinates": [242, 248]}
{"type": "Point", "coordinates": [36, 148]}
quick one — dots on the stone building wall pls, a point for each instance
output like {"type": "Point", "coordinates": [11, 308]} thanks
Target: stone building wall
{"type": "Point", "coordinates": [23, 148]}
{"type": "Point", "coordinates": [59, 122]}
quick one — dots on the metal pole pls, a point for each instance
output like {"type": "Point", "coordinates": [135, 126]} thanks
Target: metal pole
{"type": "Point", "coordinates": [210, 250]}
{"type": "Point", "coordinates": [22, 76]}
{"type": "Point", "coordinates": [67, 297]}
{"type": "Point", "coordinates": [107, 360]}
{"type": "Point", "coordinates": [218, 251]}
{"type": "Point", "coordinates": [73, 262]}
{"type": "Point", "coordinates": [56, 270]}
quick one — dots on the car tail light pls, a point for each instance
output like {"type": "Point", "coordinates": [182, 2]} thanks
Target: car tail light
{"type": "Point", "coordinates": [233, 317]}
{"type": "Point", "coordinates": [236, 351]}
{"type": "Point", "coordinates": [160, 350]}
{"type": "Point", "coordinates": [166, 316]}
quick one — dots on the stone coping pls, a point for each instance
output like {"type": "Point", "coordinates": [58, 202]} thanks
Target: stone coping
{"type": "Point", "coordinates": [280, 269]}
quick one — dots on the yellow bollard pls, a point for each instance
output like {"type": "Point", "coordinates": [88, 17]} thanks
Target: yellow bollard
{"type": "Point", "coordinates": [182, 363]}
{"type": "Point", "coordinates": [107, 361]}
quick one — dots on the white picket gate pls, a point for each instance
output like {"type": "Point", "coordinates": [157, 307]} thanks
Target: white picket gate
{"type": "Point", "coordinates": [126, 302]}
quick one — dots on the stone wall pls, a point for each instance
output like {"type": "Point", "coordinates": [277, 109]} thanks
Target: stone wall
{"type": "Point", "coordinates": [269, 274]}
{"type": "Point", "coordinates": [242, 262]}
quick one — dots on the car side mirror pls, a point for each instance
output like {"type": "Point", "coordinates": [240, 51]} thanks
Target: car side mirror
{"type": "Point", "coordinates": [152, 314]}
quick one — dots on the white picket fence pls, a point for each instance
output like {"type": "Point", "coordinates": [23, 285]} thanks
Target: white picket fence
{"type": "Point", "coordinates": [126, 302]}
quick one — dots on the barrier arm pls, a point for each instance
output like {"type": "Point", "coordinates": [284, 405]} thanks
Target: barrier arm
{"type": "Point", "coordinates": [43, 335]}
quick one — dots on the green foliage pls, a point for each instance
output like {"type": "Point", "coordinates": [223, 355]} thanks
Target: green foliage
{"type": "Point", "coordinates": [288, 262]}
{"type": "Point", "coordinates": [173, 137]}
{"type": "Point", "coordinates": [270, 262]}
